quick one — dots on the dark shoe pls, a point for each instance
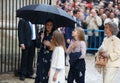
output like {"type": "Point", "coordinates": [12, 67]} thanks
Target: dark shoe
{"type": "Point", "coordinates": [17, 73]}
{"type": "Point", "coordinates": [22, 78]}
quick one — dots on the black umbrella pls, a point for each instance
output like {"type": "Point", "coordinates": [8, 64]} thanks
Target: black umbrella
{"type": "Point", "coordinates": [39, 13]}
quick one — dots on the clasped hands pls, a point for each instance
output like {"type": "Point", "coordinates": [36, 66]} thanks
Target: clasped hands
{"type": "Point", "coordinates": [103, 54]}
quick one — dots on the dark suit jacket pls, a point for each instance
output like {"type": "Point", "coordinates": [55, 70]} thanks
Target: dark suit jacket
{"type": "Point", "coordinates": [25, 32]}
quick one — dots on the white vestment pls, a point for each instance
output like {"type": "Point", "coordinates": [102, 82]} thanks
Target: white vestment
{"type": "Point", "coordinates": [58, 62]}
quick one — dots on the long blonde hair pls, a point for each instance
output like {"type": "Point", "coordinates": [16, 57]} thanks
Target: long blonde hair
{"type": "Point", "coordinates": [58, 40]}
{"type": "Point", "coordinates": [81, 34]}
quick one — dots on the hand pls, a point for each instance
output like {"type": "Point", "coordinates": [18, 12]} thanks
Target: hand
{"type": "Point", "coordinates": [55, 77]}
{"type": "Point", "coordinates": [104, 54]}
{"type": "Point", "coordinates": [75, 44]}
{"type": "Point", "coordinates": [49, 73]}
{"type": "Point", "coordinates": [22, 46]}
{"type": "Point", "coordinates": [91, 15]}
{"type": "Point", "coordinates": [42, 36]}
{"type": "Point", "coordinates": [68, 41]}
{"type": "Point", "coordinates": [95, 21]}
{"type": "Point", "coordinates": [47, 43]}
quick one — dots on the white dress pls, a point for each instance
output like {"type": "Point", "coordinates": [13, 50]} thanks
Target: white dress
{"type": "Point", "coordinates": [58, 62]}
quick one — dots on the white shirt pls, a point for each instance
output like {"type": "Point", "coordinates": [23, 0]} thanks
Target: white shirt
{"type": "Point", "coordinates": [80, 47]}
{"type": "Point", "coordinates": [33, 31]}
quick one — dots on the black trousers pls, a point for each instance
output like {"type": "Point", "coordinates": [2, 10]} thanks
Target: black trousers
{"type": "Point", "coordinates": [27, 58]}
{"type": "Point", "coordinates": [77, 72]}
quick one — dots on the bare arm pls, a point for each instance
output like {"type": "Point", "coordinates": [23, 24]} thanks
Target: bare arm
{"type": "Point", "coordinates": [55, 74]}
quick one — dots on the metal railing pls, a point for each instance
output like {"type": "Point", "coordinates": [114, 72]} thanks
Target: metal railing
{"type": "Point", "coordinates": [94, 38]}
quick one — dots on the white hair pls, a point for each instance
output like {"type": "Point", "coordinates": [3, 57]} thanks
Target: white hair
{"type": "Point", "coordinates": [113, 27]}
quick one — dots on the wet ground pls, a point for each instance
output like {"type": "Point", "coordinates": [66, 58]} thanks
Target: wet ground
{"type": "Point", "coordinates": [92, 76]}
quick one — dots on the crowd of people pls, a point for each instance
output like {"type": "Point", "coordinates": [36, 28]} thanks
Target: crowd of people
{"type": "Point", "coordinates": [103, 11]}
{"type": "Point", "coordinates": [91, 16]}
{"type": "Point", "coordinates": [56, 45]}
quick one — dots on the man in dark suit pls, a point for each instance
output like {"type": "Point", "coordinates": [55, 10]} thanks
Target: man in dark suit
{"type": "Point", "coordinates": [27, 39]}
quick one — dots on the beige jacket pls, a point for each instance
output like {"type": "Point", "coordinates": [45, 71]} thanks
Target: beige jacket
{"type": "Point", "coordinates": [112, 45]}
{"type": "Point", "coordinates": [92, 25]}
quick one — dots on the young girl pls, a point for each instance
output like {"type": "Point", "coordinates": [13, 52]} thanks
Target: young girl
{"type": "Point", "coordinates": [57, 69]}
{"type": "Point", "coordinates": [77, 52]}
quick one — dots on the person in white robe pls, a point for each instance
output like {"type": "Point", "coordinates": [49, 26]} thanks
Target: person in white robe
{"type": "Point", "coordinates": [57, 69]}
{"type": "Point", "coordinates": [112, 45]}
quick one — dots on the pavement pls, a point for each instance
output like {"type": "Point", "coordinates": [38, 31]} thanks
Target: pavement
{"type": "Point", "coordinates": [92, 76]}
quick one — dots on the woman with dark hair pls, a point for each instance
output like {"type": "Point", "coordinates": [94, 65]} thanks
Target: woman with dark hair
{"type": "Point", "coordinates": [44, 56]}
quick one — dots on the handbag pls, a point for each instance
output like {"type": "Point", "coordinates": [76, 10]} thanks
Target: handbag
{"type": "Point", "coordinates": [101, 60]}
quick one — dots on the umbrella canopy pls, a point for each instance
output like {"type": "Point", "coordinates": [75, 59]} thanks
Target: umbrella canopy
{"type": "Point", "coordinates": [39, 13]}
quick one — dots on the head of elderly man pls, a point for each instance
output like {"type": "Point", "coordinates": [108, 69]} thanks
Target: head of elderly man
{"type": "Point", "coordinates": [111, 29]}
